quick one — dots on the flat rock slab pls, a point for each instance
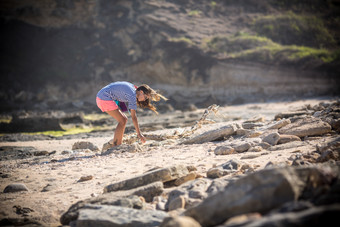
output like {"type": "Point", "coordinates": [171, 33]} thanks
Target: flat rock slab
{"type": "Point", "coordinates": [163, 175]}
{"type": "Point", "coordinates": [104, 215]}
{"type": "Point", "coordinates": [211, 135]}
{"type": "Point", "coordinates": [306, 127]}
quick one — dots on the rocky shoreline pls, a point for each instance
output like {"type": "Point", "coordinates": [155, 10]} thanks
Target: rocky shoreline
{"type": "Point", "coordinates": [236, 171]}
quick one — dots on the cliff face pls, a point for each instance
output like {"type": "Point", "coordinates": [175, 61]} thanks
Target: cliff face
{"type": "Point", "coordinates": [64, 49]}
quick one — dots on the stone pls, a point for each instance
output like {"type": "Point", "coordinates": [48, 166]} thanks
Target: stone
{"type": "Point", "coordinates": [224, 150]}
{"type": "Point", "coordinates": [108, 199]}
{"type": "Point", "coordinates": [179, 221]}
{"type": "Point", "coordinates": [177, 203]}
{"type": "Point", "coordinates": [272, 138]}
{"type": "Point", "coordinates": [191, 176]}
{"type": "Point", "coordinates": [40, 153]}
{"type": "Point", "coordinates": [242, 147]}
{"type": "Point", "coordinates": [280, 124]}
{"type": "Point", "coordinates": [211, 135]}
{"type": "Point", "coordinates": [105, 215]}
{"type": "Point", "coordinates": [163, 175]}
{"type": "Point", "coordinates": [85, 178]}
{"type": "Point", "coordinates": [290, 114]}
{"type": "Point", "coordinates": [246, 195]}
{"type": "Point", "coordinates": [84, 145]}
{"type": "Point", "coordinates": [15, 187]}
{"type": "Point", "coordinates": [49, 187]}
{"type": "Point", "coordinates": [224, 169]}
{"type": "Point", "coordinates": [288, 139]}
{"type": "Point", "coordinates": [306, 127]}
{"type": "Point", "coordinates": [251, 125]}
{"type": "Point", "coordinates": [315, 216]}
{"type": "Point", "coordinates": [131, 148]}
{"type": "Point", "coordinates": [250, 156]}
{"type": "Point", "coordinates": [193, 192]}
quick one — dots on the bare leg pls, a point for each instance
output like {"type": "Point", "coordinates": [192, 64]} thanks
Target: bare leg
{"type": "Point", "coordinates": [119, 132]}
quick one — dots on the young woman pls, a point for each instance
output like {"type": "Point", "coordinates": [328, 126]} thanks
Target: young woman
{"type": "Point", "coordinates": [119, 97]}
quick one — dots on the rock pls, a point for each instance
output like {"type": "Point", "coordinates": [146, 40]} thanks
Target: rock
{"type": "Point", "coordinates": [255, 149]}
{"type": "Point", "coordinates": [251, 125]}
{"type": "Point", "coordinates": [163, 175]}
{"type": "Point", "coordinates": [108, 199]}
{"type": "Point", "coordinates": [148, 192]}
{"type": "Point", "coordinates": [242, 132]}
{"type": "Point", "coordinates": [15, 187]}
{"type": "Point", "coordinates": [288, 139]}
{"type": "Point", "coordinates": [246, 195]}
{"type": "Point", "coordinates": [191, 176]}
{"type": "Point", "coordinates": [49, 187]}
{"type": "Point", "coordinates": [290, 114]}
{"type": "Point", "coordinates": [40, 153]}
{"type": "Point", "coordinates": [280, 124]}
{"type": "Point", "coordinates": [272, 138]}
{"type": "Point", "coordinates": [85, 178]}
{"type": "Point", "coordinates": [85, 145]}
{"type": "Point", "coordinates": [255, 119]}
{"type": "Point", "coordinates": [193, 192]}
{"type": "Point", "coordinates": [179, 221]}
{"type": "Point", "coordinates": [250, 156]}
{"type": "Point", "coordinates": [306, 127]}
{"type": "Point", "coordinates": [131, 148]}
{"type": "Point", "coordinates": [315, 216]}
{"type": "Point", "coordinates": [264, 145]}
{"type": "Point", "coordinates": [224, 169]}
{"type": "Point", "coordinates": [243, 219]}
{"type": "Point", "coordinates": [104, 215]}
{"type": "Point", "coordinates": [211, 135]}
{"type": "Point", "coordinates": [242, 147]}
{"type": "Point", "coordinates": [287, 146]}
{"type": "Point", "coordinates": [177, 203]}
{"type": "Point", "coordinates": [224, 150]}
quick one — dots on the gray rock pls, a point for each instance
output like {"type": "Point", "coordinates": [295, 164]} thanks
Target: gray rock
{"type": "Point", "coordinates": [247, 194]}
{"type": "Point", "coordinates": [288, 139]}
{"type": "Point", "coordinates": [306, 127]}
{"type": "Point", "coordinates": [131, 148]}
{"type": "Point", "coordinates": [224, 169]}
{"type": "Point", "coordinates": [251, 125]}
{"type": "Point", "coordinates": [16, 187]}
{"type": "Point", "coordinates": [280, 124]}
{"type": "Point", "coordinates": [211, 135]}
{"type": "Point", "coordinates": [285, 146]}
{"type": "Point", "coordinates": [315, 216]}
{"type": "Point", "coordinates": [104, 215]}
{"type": "Point", "coordinates": [179, 221]}
{"type": "Point", "coordinates": [108, 199]}
{"type": "Point", "coordinates": [272, 138]}
{"type": "Point", "coordinates": [85, 145]}
{"type": "Point", "coordinates": [242, 147]}
{"type": "Point", "coordinates": [163, 175]}
{"type": "Point", "coordinates": [290, 114]}
{"type": "Point", "coordinates": [224, 150]}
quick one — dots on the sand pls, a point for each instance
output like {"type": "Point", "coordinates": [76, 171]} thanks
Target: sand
{"type": "Point", "coordinates": [64, 176]}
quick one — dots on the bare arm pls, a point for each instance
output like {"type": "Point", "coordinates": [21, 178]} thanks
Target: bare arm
{"type": "Point", "coordinates": [135, 123]}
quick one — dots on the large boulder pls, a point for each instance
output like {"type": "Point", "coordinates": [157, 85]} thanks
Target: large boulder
{"type": "Point", "coordinates": [261, 192]}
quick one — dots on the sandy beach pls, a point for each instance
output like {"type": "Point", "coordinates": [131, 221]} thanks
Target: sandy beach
{"type": "Point", "coordinates": [53, 186]}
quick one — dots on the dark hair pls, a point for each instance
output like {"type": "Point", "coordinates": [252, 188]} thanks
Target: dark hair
{"type": "Point", "coordinates": [154, 96]}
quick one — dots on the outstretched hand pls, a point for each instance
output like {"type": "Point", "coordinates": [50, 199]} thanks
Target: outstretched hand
{"type": "Point", "coordinates": [142, 138]}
